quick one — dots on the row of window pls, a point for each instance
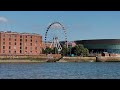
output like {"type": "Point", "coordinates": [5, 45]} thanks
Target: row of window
{"type": "Point", "coordinates": [20, 51]}
{"type": "Point", "coordinates": [9, 39]}
{"type": "Point", "coordinates": [10, 35]}
{"type": "Point", "coordinates": [20, 36]}
{"type": "Point", "coordinates": [20, 48]}
{"type": "Point", "coordinates": [9, 47]}
{"type": "Point", "coordinates": [20, 40]}
{"type": "Point", "coordinates": [15, 43]}
{"type": "Point", "coordinates": [9, 43]}
{"type": "Point", "coordinates": [10, 51]}
{"type": "Point", "coordinates": [16, 36]}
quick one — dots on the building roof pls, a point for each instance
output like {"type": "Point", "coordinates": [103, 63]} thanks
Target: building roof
{"type": "Point", "coordinates": [25, 33]}
{"type": "Point", "coordinates": [99, 41]}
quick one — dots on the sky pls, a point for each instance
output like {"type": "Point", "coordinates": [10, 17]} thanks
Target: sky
{"type": "Point", "coordinates": [79, 25]}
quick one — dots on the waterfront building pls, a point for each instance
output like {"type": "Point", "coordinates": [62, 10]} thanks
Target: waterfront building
{"type": "Point", "coordinates": [14, 43]}
{"type": "Point", "coordinates": [47, 44]}
{"type": "Point", "coordinates": [111, 46]}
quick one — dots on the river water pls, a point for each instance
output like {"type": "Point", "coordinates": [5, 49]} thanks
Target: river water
{"type": "Point", "coordinates": [72, 70]}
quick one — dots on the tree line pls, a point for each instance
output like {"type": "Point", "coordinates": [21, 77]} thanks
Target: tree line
{"type": "Point", "coordinates": [78, 50]}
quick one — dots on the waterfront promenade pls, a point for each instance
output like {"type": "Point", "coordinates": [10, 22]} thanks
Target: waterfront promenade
{"type": "Point", "coordinates": [32, 59]}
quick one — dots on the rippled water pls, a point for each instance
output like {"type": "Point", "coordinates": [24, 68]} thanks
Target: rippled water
{"type": "Point", "coordinates": [85, 70]}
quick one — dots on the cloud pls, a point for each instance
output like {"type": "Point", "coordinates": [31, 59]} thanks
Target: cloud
{"type": "Point", "coordinates": [3, 20]}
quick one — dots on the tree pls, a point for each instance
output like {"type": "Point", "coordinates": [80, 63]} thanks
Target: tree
{"type": "Point", "coordinates": [79, 50]}
{"type": "Point", "coordinates": [85, 52]}
{"type": "Point", "coordinates": [64, 50]}
{"type": "Point", "coordinates": [76, 50]}
{"type": "Point", "coordinates": [47, 50]}
{"type": "Point", "coordinates": [54, 50]}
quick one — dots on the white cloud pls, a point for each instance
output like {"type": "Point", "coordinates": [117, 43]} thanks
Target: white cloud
{"type": "Point", "coordinates": [3, 20]}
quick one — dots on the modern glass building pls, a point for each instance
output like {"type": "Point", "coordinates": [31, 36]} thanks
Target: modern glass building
{"type": "Point", "coordinates": [101, 45]}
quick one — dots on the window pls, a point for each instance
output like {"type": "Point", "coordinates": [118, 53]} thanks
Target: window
{"type": "Point", "coordinates": [9, 43]}
{"type": "Point", "coordinates": [3, 39]}
{"type": "Point", "coordinates": [9, 51]}
{"type": "Point", "coordinates": [15, 39]}
{"type": "Point", "coordinates": [30, 51]}
{"type": "Point", "coordinates": [36, 41]}
{"type": "Point", "coordinates": [26, 36]}
{"type": "Point", "coordinates": [9, 47]}
{"type": "Point", "coordinates": [31, 40]}
{"type": "Point", "coordinates": [20, 43]}
{"type": "Point", "coordinates": [3, 43]}
{"type": "Point", "coordinates": [25, 51]}
{"type": "Point", "coordinates": [25, 47]}
{"type": "Point", "coordinates": [9, 39]}
{"type": "Point", "coordinates": [3, 47]}
{"type": "Point", "coordinates": [26, 40]}
{"type": "Point", "coordinates": [20, 40]}
{"type": "Point", "coordinates": [14, 51]}
{"type": "Point", "coordinates": [20, 36]}
{"type": "Point", "coordinates": [20, 51]}
{"type": "Point", "coordinates": [30, 36]}
{"type": "Point", "coordinates": [15, 43]}
{"type": "Point", "coordinates": [20, 47]}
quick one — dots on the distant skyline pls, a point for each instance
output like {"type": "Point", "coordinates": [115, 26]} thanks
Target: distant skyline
{"type": "Point", "coordinates": [80, 25]}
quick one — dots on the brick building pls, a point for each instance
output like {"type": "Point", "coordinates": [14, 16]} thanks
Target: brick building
{"type": "Point", "coordinates": [13, 43]}
{"type": "Point", "coordinates": [48, 44]}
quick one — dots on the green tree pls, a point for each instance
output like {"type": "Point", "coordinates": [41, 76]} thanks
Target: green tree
{"type": "Point", "coordinates": [76, 50]}
{"type": "Point", "coordinates": [79, 50]}
{"type": "Point", "coordinates": [85, 52]}
{"type": "Point", "coordinates": [64, 50]}
{"type": "Point", "coordinates": [54, 50]}
{"type": "Point", "coordinates": [47, 50]}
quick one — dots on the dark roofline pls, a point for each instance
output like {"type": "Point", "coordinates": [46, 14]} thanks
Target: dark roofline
{"type": "Point", "coordinates": [96, 39]}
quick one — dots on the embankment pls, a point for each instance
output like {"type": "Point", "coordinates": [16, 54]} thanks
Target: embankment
{"type": "Point", "coordinates": [21, 61]}
{"type": "Point", "coordinates": [44, 58]}
{"type": "Point", "coordinates": [56, 58]}
{"type": "Point", "coordinates": [27, 58]}
{"type": "Point", "coordinates": [107, 59]}
{"type": "Point", "coordinates": [80, 59]}
{"type": "Point", "coordinates": [92, 59]}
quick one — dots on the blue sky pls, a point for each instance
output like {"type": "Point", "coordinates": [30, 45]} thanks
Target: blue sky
{"type": "Point", "coordinates": [79, 25]}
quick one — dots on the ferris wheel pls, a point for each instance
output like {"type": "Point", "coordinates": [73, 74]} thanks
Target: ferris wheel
{"type": "Point", "coordinates": [55, 34]}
